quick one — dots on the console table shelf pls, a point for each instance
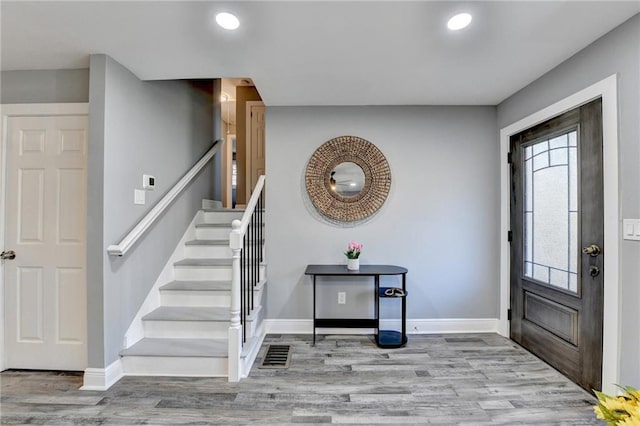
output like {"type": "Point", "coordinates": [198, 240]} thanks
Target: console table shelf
{"type": "Point", "coordinates": [384, 338]}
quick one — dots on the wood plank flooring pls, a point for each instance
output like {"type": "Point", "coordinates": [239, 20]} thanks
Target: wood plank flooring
{"type": "Point", "coordinates": [470, 379]}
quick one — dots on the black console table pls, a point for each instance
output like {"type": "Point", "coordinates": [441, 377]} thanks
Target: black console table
{"type": "Point", "coordinates": [365, 271]}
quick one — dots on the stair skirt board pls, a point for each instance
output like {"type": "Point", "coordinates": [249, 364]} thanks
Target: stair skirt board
{"type": "Point", "coordinates": [253, 321]}
{"type": "Point", "coordinates": [250, 351]}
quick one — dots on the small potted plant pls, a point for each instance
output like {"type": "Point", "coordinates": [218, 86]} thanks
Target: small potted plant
{"type": "Point", "coordinates": [619, 410]}
{"type": "Point", "coordinates": [353, 255]}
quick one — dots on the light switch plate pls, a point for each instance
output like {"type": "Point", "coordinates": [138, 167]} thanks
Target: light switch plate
{"type": "Point", "coordinates": [138, 196]}
{"type": "Point", "coordinates": [631, 229]}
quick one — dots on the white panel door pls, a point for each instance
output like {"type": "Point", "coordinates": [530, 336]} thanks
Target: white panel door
{"type": "Point", "coordinates": [45, 285]}
{"type": "Point", "coordinates": [256, 151]}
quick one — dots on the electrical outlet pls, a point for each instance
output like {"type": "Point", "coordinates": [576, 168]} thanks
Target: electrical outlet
{"type": "Point", "coordinates": [342, 298]}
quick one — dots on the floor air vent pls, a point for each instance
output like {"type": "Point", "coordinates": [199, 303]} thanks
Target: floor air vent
{"type": "Point", "coordinates": [277, 357]}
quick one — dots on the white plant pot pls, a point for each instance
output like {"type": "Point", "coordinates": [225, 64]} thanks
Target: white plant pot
{"type": "Point", "coordinates": [353, 264]}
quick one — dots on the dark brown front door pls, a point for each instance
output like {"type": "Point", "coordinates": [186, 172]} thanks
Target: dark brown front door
{"type": "Point", "coordinates": [557, 222]}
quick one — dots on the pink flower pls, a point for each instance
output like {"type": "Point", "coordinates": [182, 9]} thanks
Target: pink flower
{"type": "Point", "coordinates": [353, 250]}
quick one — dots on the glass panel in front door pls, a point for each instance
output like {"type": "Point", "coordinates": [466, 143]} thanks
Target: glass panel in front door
{"type": "Point", "coordinates": [551, 211]}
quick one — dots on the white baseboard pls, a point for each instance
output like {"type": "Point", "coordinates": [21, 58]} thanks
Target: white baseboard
{"type": "Point", "coordinates": [102, 379]}
{"type": "Point", "coordinates": [288, 326]}
{"type": "Point", "coordinates": [452, 325]}
{"type": "Point", "coordinates": [414, 326]}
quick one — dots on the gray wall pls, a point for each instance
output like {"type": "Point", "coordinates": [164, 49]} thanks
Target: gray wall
{"type": "Point", "coordinates": [44, 86]}
{"type": "Point", "coordinates": [160, 128]}
{"type": "Point", "coordinates": [441, 218]}
{"type": "Point", "coordinates": [617, 52]}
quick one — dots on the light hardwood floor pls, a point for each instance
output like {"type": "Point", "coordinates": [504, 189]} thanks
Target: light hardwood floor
{"type": "Point", "coordinates": [471, 379]}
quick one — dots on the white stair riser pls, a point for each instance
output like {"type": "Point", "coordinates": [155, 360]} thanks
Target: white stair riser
{"type": "Point", "coordinates": [216, 233]}
{"type": "Point", "coordinates": [213, 233]}
{"type": "Point", "coordinates": [210, 252]}
{"type": "Point", "coordinates": [175, 366]}
{"type": "Point", "coordinates": [195, 298]}
{"type": "Point", "coordinates": [222, 217]}
{"type": "Point", "coordinates": [203, 274]}
{"type": "Point", "coordinates": [207, 252]}
{"type": "Point", "coordinates": [191, 273]}
{"type": "Point", "coordinates": [186, 329]}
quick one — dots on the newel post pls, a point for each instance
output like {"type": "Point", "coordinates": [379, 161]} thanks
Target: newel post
{"type": "Point", "coordinates": [235, 328]}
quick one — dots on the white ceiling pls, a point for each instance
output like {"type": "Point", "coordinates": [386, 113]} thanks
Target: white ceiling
{"type": "Point", "coordinates": [322, 52]}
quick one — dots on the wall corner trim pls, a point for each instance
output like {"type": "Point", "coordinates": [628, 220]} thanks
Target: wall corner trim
{"type": "Point", "coordinates": [101, 379]}
{"type": "Point", "coordinates": [414, 326]}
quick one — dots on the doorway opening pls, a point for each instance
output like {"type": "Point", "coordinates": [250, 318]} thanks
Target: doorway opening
{"type": "Point", "coordinates": [243, 157]}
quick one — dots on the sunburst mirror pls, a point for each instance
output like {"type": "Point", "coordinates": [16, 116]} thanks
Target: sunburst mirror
{"type": "Point", "coordinates": [347, 179]}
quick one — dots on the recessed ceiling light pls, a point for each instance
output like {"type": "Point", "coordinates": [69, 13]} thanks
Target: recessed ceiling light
{"type": "Point", "coordinates": [459, 21]}
{"type": "Point", "coordinates": [227, 21]}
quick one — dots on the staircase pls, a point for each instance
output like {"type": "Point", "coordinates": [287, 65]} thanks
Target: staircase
{"type": "Point", "coordinates": [187, 333]}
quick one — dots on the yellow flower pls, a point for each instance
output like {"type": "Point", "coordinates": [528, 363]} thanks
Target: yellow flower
{"type": "Point", "coordinates": [629, 421]}
{"type": "Point", "coordinates": [615, 404]}
{"type": "Point", "coordinates": [633, 393]}
{"type": "Point", "coordinates": [620, 410]}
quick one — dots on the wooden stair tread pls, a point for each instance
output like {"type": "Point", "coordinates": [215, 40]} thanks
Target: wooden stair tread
{"type": "Point", "coordinates": [188, 313]}
{"type": "Point", "coordinates": [203, 263]}
{"type": "Point", "coordinates": [207, 242]}
{"type": "Point", "coordinates": [215, 225]}
{"type": "Point", "coordinates": [197, 286]}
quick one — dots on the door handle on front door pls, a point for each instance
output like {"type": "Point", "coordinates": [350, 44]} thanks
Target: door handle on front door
{"type": "Point", "coordinates": [8, 255]}
{"type": "Point", "coordinates": [592, 250]}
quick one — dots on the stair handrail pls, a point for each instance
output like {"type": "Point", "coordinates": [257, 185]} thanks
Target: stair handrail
{"type": "Point", "coordinates": [236, 243]}
{"type": "Point", "coordinates": [145, 223]}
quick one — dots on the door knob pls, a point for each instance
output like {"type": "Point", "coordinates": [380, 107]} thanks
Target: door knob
{"type": "Point", "coordinates": [592, 250]}
{"type": "Point", "coordinates": [8, 255]}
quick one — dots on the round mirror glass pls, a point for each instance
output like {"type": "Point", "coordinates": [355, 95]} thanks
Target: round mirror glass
{"type": "Point", "coordinates": [347, 179]}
